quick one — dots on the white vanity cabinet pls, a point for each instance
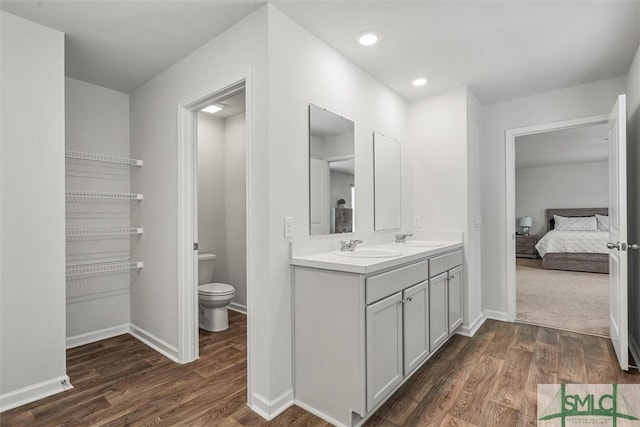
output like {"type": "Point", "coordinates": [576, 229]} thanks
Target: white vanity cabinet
{"type": "Point", "coordinates": [359, 335]}
{"type": "Point", "coordinates": [445, 293]}
{"type": "Point", "coordinates": [397, 327]}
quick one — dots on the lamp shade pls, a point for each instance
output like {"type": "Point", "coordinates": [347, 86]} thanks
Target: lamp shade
{"type": "Point", "coordinates": [526, 221]}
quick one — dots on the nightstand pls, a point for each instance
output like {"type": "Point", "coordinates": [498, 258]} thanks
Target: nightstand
{"type": "Point", "coordinates": [526, 246]}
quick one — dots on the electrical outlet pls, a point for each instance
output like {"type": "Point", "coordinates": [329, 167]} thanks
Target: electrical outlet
{"type": "Point", "coordinates": [417, 221]}
{"type": "Point", "coordinates": [289, 226]}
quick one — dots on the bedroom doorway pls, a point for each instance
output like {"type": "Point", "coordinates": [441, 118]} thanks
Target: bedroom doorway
{"type": "Point", "coordinates": [560, 171]}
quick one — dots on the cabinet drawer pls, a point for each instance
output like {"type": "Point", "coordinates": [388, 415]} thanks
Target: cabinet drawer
{"type": "Point", "coordinates": [443, 263]}
{"type": "Point", "coordinates": [384, 284]}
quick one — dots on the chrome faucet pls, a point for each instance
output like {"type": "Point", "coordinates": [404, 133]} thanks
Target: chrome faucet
{"type": "Point", "coordinates": [401, 238]}
{"type": "Point", "coordinates": [350, 245]}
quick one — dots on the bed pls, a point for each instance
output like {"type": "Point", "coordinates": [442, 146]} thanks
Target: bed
{"type": "Point", "coordinates": [574, 250]}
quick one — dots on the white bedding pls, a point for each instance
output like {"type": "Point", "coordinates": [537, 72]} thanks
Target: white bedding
{"type": "Point", "coordinates": [573, 241]}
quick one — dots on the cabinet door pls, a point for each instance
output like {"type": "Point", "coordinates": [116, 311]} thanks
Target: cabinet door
{"type": "Point", "coordinates": [416, 326]}
{"type": "Point", "coordinates": [438, 321]}
{"type": "Point", "coordinates": [455, 298]}
{"type": "Point", "coordinates": [384, 348]}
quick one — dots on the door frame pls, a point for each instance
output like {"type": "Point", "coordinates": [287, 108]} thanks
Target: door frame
{"type": "Point", "coordinates": [510, 198]}
{"type": "Point", "coordinates": [188, 343]}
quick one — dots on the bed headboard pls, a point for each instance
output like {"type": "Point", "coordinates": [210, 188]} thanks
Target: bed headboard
{"type": "Point", "coordinates": [573, 212]}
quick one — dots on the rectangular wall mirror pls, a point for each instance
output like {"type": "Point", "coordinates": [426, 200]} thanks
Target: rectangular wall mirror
{"type": "Point", "coordinates": [387, 182]}
{"type": "Point", "coordinates": [331, 172]}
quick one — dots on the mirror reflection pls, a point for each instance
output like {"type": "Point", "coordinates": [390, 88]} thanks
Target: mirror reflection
{"type": "Point", "coordinates": [331, 172]}
{"type": "Point", "coordinates": [387, 182]}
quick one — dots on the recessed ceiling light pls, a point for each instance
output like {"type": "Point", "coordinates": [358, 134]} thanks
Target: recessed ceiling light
{"type": "Point", "coordinates": [420, 81]}
{"type": "Point", "coordinates": [367, 38]}
{"type": "Point", "coordinates": [212, 109]}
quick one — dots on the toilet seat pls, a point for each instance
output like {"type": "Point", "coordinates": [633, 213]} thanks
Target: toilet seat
{"type": "Point", "coordinates": [216, 289]}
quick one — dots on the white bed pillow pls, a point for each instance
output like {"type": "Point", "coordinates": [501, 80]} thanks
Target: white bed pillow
{"type": "Point", "coordinates": [577, 223]}
{"type": "Point", "coordinates": [603, 222]}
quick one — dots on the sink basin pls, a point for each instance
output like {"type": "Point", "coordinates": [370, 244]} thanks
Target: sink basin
{"type": "Point", "coordinates": [369, 253]}
{"type": "Point", "coordinates": [421, 243]}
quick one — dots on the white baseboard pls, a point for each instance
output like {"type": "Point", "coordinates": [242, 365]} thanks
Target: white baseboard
{"type": "Point", "coordinates": [634, 349]}
{"type": "Point", "coordinates": [103, 334]}
{"type": "Point", "coordinates": [238, 307]}
{"type": "Point", "coordinates": [503, 316]}
{"type": "Point", "coordinates": [154, 342]}
{"type": "Point", "coordinates": [470, 331]}
{"type": "Point", "coordinates": [319, 414]}
{"type": "Point", "coordinates": [34, 392]}
{"type": "Point", "coordinates": [269, 409]}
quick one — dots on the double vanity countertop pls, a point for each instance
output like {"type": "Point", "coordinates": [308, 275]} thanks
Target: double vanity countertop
{"type": "Point", "coordinates": [372, 257]}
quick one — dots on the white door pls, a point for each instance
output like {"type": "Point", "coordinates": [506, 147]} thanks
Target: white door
{"type": "Point", "coordinates": [454, 290]}
{"type": "Point", "coordinates": [416, 325]}
{"type": "Point", "coordinates": [438, 319]}
{"type": "Point", "coordinates": [384, 348]}
{"type": "Point", "coordinates": [319, 196]}
{"type": "Point", "coordinates": [618, 315]}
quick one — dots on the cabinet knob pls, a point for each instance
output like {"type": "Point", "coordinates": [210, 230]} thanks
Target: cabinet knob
{"type": "Point", "coordinates": [410, 298]}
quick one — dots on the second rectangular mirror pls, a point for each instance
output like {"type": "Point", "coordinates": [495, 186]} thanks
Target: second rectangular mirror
{"type": "Point", "coordinates": [387, 182]}
{"type": "Point", "coordinates": [331, 172]}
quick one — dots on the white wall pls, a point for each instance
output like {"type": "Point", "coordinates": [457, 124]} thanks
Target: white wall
{"type": "Point", "coordinates": [32, 225]}
{"type": "Point", "coordinates": [443, 149]}
{"type": "Point", "coordinates": [235, 203]}
{"type": "Point", "coordinates": [574, 102]}
{"type": "Point", "coordinates": [473, 237]}
{"type": "Point", "coordinates": [575, 185]}
{"type": "Point", "coordinates": [154, 129]}
{"type": "Point", "coordinates": [633, 186]}
{"type": "Point", "coordinates": [97, 121]}
{"type": "Point", "coordinates": [323, 77]}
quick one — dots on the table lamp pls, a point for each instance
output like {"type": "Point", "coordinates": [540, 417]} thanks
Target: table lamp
{"type": "Point", "coordinates": [526, 222]}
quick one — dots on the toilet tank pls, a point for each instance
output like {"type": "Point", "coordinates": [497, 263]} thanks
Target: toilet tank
{"type": "Point", "coordinates": [206, 268]}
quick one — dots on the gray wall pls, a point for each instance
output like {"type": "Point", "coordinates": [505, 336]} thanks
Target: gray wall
{"type": "Point", "coordinates": [211, 183]}
{"type": "Point", "coordinates": [222, 198]}
{"type": "Point", "coordinates": [97, 121]}
{"type": "Point", "coordinates": [575, 185]}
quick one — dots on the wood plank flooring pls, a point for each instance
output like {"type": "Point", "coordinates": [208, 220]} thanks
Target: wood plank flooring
{"type": "Point", "coordinates": [488, 380]}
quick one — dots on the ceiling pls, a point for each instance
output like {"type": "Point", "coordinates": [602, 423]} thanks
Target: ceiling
{"type": "Point", "coordinates": [577, 145]}
{"type": "Point", "coordinates": [500, 49]}
{"type": "Point", "coordinates": [121, 44]}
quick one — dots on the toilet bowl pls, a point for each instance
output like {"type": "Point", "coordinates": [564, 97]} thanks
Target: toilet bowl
{"type": "Point", "coordinates": [213, 298]}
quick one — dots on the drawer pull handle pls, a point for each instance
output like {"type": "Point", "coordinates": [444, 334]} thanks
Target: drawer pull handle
{"type": "Point", "coordinates": [410, 299]}
{"type": "Point", "coordinates": [452, 277]}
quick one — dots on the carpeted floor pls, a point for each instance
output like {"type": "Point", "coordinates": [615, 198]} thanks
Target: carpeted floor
{"type": "Point", "coordinates": [568, 300]}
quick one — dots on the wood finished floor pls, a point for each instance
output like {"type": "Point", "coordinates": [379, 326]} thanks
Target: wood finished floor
{"type": "Point", "coordinates": [488, 380]}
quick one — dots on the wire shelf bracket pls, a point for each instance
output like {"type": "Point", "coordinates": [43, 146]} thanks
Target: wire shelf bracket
{"type": "Point", "coordinates": [102, 158]}
{"type": "Point", "coordinates": [103, 195]}
{"type": "Point", "coordinates": [106, 267]}
{"type": "Point", "coordinates": [118, 231]}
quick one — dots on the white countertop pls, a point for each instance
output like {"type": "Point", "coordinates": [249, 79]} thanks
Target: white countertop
{"type": "Point", "coordinates": [331, 261]}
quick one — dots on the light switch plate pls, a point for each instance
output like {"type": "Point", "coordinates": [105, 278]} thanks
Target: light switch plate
{"type": "Point", "coordinates": [289, 226]}
{"type": "Point", "coordinates": [417, 221]}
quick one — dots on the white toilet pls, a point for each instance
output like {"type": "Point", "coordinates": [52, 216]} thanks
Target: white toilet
{"type": "Point", "coordinates": [213, 297]}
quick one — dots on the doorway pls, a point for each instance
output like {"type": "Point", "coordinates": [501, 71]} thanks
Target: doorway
{"type": "Point", "coordinates": [562, 224]}
{"type": "Point", "coordinates": [510, 212]}
{"type": "Point", "coordinates": [239, 86]}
